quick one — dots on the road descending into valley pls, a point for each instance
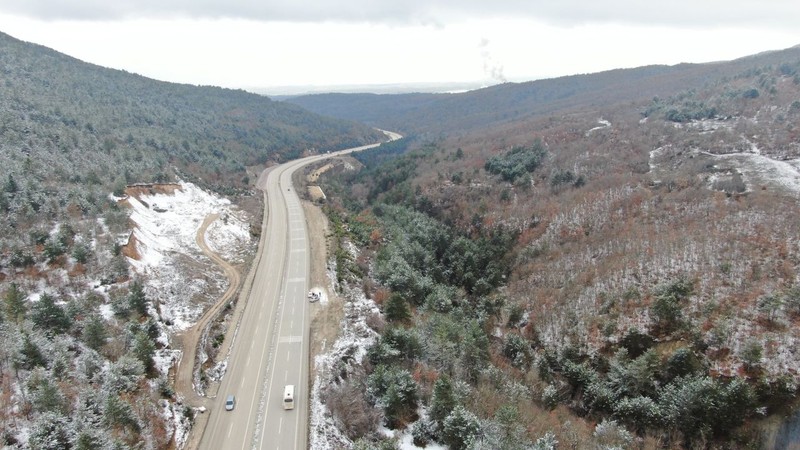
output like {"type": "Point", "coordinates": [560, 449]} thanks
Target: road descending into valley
{"type": "Point", "coordinates": [270, 348]}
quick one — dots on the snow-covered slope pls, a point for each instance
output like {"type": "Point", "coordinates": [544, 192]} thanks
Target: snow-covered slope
{"type": "Point", "coordinates": [181, 280]}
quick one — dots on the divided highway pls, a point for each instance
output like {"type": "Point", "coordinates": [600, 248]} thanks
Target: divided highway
{"type": "Point", "coordinates": [270, 348]}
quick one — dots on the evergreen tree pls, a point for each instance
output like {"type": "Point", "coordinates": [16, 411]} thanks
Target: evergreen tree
{"type": "Point", "coordinates": [396, 391]}
{"type": "Point", "coordinates": [143, 349]}
{"type": "Point", "coordinates": [397, 309]}
{"type": "Point", "coordinates": [48, 398]}
{"type": "Point", "coordinates": [546, 442]}
{"type": "Point", "coordinates": [81, 253]}
{"type": "Point", "coordinates": [667, 309]}
{"type": "Point", "coordinates": [48, 316]}
{"type": "Point", "coordinates": [89, 409]}
{"type": "Point", "coordinates": [136, 298]}
{"type": "Point", "coordinates": [15, 304]}
{"type": "Point", "coordinates": [124, 375]}
{"type": "Point", "coordinates": [118, 413]}
{"type": "Point", "coordinates": [89, 439]}
{"type": "Point", "coordinates": [54, 248]}
{"type": "Point", "coordinates": [10, 185]}
{"type": "Point", "coordinates": [474, 351]}
{"type": "Point", "coordinates": [460, 428]}
{"type": "Point", "coordinates": [94, 332]}
{"type": "Point", "coordinates": [682, 363]}
{"type": "Point", "coordinates": [51, 431]}
{"type": "Point", "coordinates": [443, 399]}
{"type": "Point", "coordinates": [29, 355]}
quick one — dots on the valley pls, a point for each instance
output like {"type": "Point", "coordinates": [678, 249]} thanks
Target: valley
{"type": "Point", "coordinates": [604, 260]}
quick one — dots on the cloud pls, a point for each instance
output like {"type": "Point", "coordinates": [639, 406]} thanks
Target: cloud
{"type": "Point", "coordinates": [690, 13]}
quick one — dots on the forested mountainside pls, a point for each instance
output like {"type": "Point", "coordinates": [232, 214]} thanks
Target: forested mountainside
{"type": "Point", "coordinates": [617, 274]}
{"type": "Point", "coordinates": [81, 331]}
{"type": "Point", "coordinates": [128, 124]}
{"type": "Point", "coordinates": [508, 102]}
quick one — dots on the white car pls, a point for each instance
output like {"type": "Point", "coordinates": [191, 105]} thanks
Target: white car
{"type": "Point", "coordinates": [230, 402]}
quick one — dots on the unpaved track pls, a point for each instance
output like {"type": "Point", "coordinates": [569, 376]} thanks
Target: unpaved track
{"type": "Point", "coordinates": [188, 341]}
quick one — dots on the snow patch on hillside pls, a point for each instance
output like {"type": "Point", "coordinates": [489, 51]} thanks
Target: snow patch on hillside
{"type": "Point", "coordinates": [351, 348]}
{"type": "Point", "coordinates": [180, 279]}
{"type": "Point", "coordinates": [229, 236]}
{"type": "Point", "coordinates": [762, 171]}
{"type": "Point", "coordinates": [603, 124]}
{"type": "Point", "coordinates": [757, 170]}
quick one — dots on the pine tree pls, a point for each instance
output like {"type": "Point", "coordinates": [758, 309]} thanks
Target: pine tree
{"type": "Point", "coordinates": [118, 413]}
{"type": "Point", "coordinates": [48, 398]}
{"type": "Point", "coordinates": [443, 400]}
{"type": "Point", "coordinates": [474, 351]}
{"type": "Point", "coordinates": [143, 350]}
{"type": "Point", "coordinates": [81, 252]}
{"type": "Point", "coordinates": [94, 333]}
{"type": "Point", "coordinates": [397, 309]}
{"type": "Point", "coordinates": [89, 439]}
{"type": "Point", "coordinates": [15, 304]}
{"type": "Point", "coordinates": [29, 355]}
{"type": "Point", "coordinates": [10, 185]}
{"type": "Point", "coordinates": [136, 298]}
{"type": "Point", "coordinates": [51, 431]}
{"type": "Point", "coordinates": [49, 317]}
{"type": "Point", "coordinates": [460, 428]}
{"type": "Point", "coordinates": [395, 390]}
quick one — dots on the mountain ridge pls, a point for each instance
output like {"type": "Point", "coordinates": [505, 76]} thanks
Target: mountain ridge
{"type": "Point", "coordinates": [503, 103]}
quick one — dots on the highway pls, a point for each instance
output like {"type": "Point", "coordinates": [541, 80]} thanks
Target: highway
{"type": "Point", "coordinates": [270, 348]}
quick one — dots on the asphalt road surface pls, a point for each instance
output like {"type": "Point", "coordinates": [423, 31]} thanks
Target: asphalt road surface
{"type": "Point", "coordinates": [270, 349]}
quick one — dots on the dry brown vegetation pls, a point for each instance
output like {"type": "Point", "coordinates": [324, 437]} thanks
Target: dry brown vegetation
{"type": "Point", "coordinates": [655, 204]}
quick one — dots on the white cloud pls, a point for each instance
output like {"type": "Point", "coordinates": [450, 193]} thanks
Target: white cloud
{"type": "Point", "coordinates": [756, 13]}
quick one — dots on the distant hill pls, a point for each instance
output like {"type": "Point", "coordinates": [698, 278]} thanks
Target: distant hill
{"type": "Point", "coordinates": [509, 102]}
{"type": "Point", "coordinates": [65, 111]}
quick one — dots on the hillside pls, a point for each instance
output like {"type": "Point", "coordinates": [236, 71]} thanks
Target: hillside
{"type": "Point", "coordinates": [433, 114]}
{"type": "Point", "coordinates": [88, 305]}
{"type": "Point", "coordinates": [613, 269]}
{"type": "Point", "coordinates": [55, 104]}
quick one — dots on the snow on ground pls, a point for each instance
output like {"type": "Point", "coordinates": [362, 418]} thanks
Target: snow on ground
{"type": "Point", "coordinates": [405, 441]}
{"type": "Point", "coordinates": [179, 276]}
{"type": "Point", "coordinates": [166, 223]}
{"type": "Point", "coordinates": [704, 126]}
{"type": "Point", "coordinates": [760, 170]}
{"type": "Point", "coordinates": [354, 339]}
{"type": "Point", "coordinates": [756, 169]}
{"type": "Point", "coordinates": [603, 124]}
{"type": "Point", "coordinates": [165, 358]}
{"type": "Point", "coordinates": [177, 422]}
{"type": "Point", "coordinates": [230, 237]}
{"type": "Point", "coordinates": [655, 160]}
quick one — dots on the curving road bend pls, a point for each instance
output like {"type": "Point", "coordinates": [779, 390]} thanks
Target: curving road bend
{"type": "Point", "coordinates": [270, 348]}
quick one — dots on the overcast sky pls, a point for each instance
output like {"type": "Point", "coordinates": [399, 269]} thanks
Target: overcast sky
{"type": "Point", "coordinates": [267, 43]}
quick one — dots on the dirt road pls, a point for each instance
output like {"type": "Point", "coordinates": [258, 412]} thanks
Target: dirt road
{"type": "Point", "coordinates": [189, 340]}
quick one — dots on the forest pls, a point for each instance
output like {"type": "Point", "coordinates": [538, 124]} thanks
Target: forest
{"type": "Point", "coordinates": [80, 331]}
{"type": "Point", "coordinates": [559, 284]}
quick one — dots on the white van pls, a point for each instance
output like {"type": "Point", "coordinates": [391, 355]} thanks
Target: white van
{"type": "Point", "coordinates": [288, 397]}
